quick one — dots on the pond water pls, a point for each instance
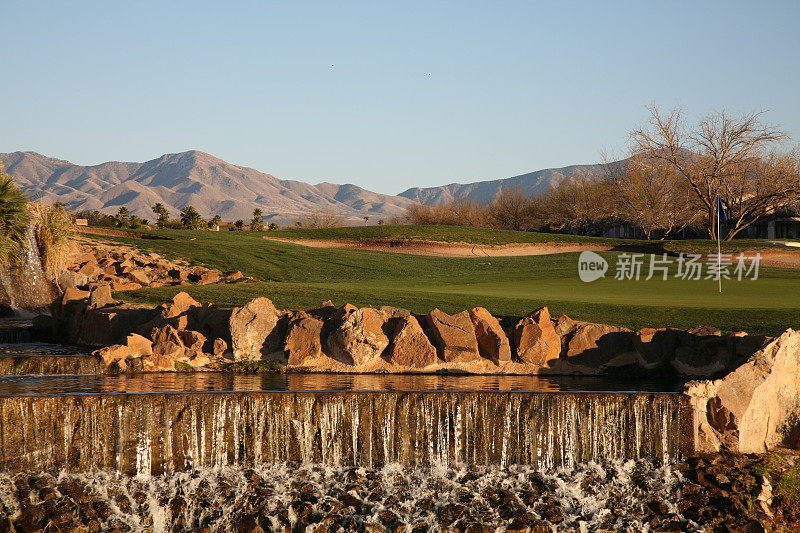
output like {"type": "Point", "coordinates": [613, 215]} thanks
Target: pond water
{"type": "Point", "coordinates": [70, 384]}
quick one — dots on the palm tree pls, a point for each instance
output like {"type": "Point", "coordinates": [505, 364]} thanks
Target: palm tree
{"type": "Point", "coordinates": [191, 219]}
{"type": "Point", "coordinates": [257, 224]}
{"type": "Point", "coordinates": [239, 225]}
{"type": "Point", "coordinates": [216, 221]}
{"type": "Point", "coordinates": [123, 217]}
{"type": "Point", "coordinates": [14, 220]}
{"type": "Point", "coordinates": [162, 215]}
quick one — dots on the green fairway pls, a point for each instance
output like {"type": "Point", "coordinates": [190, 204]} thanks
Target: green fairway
{"type": "Point", "coordinates": [296, 276]}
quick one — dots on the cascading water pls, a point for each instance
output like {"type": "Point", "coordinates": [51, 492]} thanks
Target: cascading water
{"type": "Point", "coordinates": [145, 434]}
{"type": "Point", "coordinates": [25, 286]}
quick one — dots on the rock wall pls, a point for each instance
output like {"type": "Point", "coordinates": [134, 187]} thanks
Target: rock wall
{"type": "Point", "coordinates": [756, 407]}
{"type": "Point", "coordinates": [388, 339]}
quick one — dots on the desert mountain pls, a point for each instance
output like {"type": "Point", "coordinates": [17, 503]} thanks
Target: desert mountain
{"type": "Point", "coordinates": [211, 185]}
{"type": "Point", "coordinates": [482, 191]}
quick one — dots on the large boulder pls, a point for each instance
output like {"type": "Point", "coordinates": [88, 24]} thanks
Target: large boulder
{"type": "Point", "coordinates": [167, 342]}
{"type": "Point", "coordinates": [359, 338]}
{"type": "Point", "coordinates": [139, 345]}
{"type": "Point", "coordinates": [453, 336]}
{"type": "Point", "coordinates": [251, 327]}
{"type": "Point", "coordinates": [101, 297]}
{"type": "Point", "coordinates": [492, 340]}
{"type": "Point", "coordinates": [655, 348]}
{"type": "Point", "coordinates": [303, 339]}
{"type": "Point", "coordinates": [597, 349]}
{"type": "Point", "coordinates": [110, 324]}
{"type": "Point", "coordinates": [756, 407]}
{"type": "Point", "coordinates": [705, 355]}
{"type": "Point", "coordinates": [536, 339]}
{"type": "Point", "coordinates": [410, 346]}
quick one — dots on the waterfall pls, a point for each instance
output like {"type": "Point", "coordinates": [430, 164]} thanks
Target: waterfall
{"type": "Point", "coordinates": [25, 286]}
{"type": "Point", "coordinates": [154, 433]}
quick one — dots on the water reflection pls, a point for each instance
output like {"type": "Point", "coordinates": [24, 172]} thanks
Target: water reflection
{"type": "Point", "coordinates": [220, 382]}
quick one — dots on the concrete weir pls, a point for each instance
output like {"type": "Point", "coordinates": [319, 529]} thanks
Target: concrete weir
{"type": "Point", "coordinates": [154, 433]}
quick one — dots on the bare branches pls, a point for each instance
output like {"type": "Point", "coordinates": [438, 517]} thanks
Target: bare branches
{"type": "Point", "coordinates": [723, 155]}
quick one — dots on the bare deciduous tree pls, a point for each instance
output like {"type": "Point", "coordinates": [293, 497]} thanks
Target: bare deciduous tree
{"type": "Point", "coordinates": [733, 156]}
{"type": "Point", "coordinates": [650, 194]}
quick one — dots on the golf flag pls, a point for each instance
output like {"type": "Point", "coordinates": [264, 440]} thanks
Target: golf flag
{"type": "Point", "coordinates": [723, 217]}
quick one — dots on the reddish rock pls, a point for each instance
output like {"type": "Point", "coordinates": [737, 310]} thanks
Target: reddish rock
{"type": "Point", "coordinates": [139, 345]}
{"type": "Point", "coordinates": [114, 353]}
{"type": "Point", "coordinates": [220, 347]}
{"type": "Point", "coordinates": [303, 339]}
{"type": "Point", "coordinates": [68, 279]}
{"type": "Point", "coordinates": [178, 274]}
{"type": "Point", "coordinates": [181, 303]}
{"type": "Point", "coordinates": [410, 346]}
{"type": "Point", "coordinates": [117, 286]}
{"type": "Point", "coordinates": [565, 325]}
{"type": "Point", "coordinates": [597, 348]}
{"type": "Point", "coordinates": [251, 328]}
{"type": "Point", "coordinates": [704, 331]}
{"type": "Point", "coordinates": [101, 297]}
{"type": "Point", "coordinates": [108, 325]}
{"type": "Point", "coordinates": [158, 363]}
{"type": "Point", "coordinates": [453, 336]}
{"type": "Point", "coordinates": [89, 270]}
{"type": "Point", "coordinates": [193, 341]}
{"type": "Point", "coordinates": [233, 275]}
{"type": "Point", "coordinates": [138, 276]}
{"type": "Point", "coordinates": [72, 295]}
{"type": "Point", "coordinates": [492, 340]}
{"type": "Point", "coordinates": [209, 276]}
{"type": "Point", "coordinates": [536, 339]}
{"type": "Point", "coordinates": [167, 342]}
{"type": "Point", "coordinates": [359, 338]}
{"type": "Point", "coordinates": [655, 347]}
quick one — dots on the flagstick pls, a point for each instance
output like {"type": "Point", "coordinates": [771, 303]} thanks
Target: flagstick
{"type": "Point", "coordinates": [719, 249]}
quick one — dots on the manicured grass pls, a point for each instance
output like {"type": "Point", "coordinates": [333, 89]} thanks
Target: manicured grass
{"type": "Point", "coordinates": [452, 234]}
{"type": "Point", "coordinates": [296, 276]}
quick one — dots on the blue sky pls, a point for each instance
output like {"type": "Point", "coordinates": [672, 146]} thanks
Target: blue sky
{"type": "Point", "coordinates": [387, 96]}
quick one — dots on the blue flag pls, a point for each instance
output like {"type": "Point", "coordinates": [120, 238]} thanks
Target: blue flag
{"type": "Point", "coordinates": [723, 217]}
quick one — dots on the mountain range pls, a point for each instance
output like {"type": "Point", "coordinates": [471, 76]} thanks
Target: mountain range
{"type": "Point", "coordinates": [215, 187]}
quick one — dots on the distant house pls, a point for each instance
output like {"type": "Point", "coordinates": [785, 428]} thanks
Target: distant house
{"type": "Point", "coordinates": [781, 225]}
{"type": "Point", "coordinates": [81, 221]}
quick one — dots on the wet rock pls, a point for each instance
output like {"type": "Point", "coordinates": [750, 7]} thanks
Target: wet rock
{"type": "Point", "coordinates": [359, 338]}
{"type": "Point", "coordinates": [453, 336]}
{"type": "Point", "coordinates": [410, 346]}
{"type": "Point", "coordinates": [251, 327]}
{"type": "Point", "coordinates": [492, 340]}
{"type": "Point", "coordinates": [536, 340]}
{"type": "Point", "coordinates": [112, 354]}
